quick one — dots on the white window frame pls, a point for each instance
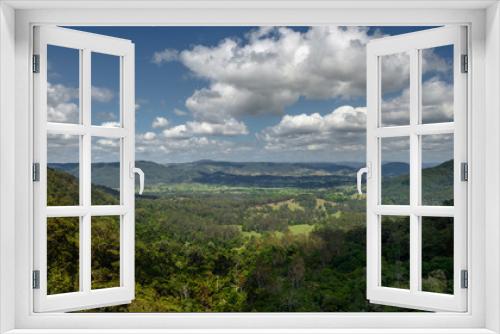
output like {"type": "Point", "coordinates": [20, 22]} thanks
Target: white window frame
{"type": "Point", "coordinates": [16, 20]}
{"type": "Point", "coordinates": [411, 44]}
{"type": "Point", "coordinates": [85, 44]}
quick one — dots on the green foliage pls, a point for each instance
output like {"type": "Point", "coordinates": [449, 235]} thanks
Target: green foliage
{"type": "Point", "coordinates": [217, 248]}
{"type": "Point", "coordinates": [437, 186]}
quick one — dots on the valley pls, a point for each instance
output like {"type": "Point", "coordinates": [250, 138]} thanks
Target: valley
{"type": "Point", "coordinates": [245, 237]}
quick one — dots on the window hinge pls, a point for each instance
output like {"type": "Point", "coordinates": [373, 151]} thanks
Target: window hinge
{"type": "Point", "coordinates": [36, 63]}
{"type": "Point", "coordinates": [464, 171]}
{"type": "Point", "coordinates": [36, 279]}
{"type": "Point", "coordinates": [36, 172]}
{"type": "Point", "coordinates": [465, 64]}
{"type": "Point", "coordinates": [464, 280]}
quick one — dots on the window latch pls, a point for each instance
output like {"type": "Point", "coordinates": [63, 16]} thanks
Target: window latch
{"type": "Point", "coordinates": [365, 170]}
{"type": "Point", "coordinates": [134, 170]}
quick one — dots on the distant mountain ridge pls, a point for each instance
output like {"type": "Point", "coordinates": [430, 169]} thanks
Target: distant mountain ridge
{"type": "Point", "coordinates": [260, 174]}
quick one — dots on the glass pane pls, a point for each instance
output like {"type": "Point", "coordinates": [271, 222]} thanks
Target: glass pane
{"type": "Point", "coordinates": [395, 171]}
{"type": "Point", "coordinates": [63, 256]}
{"type": "Point", "coordinates": [63, 170]}
{"type": "Point", "coordinates": [105, 252]}
{"type": "Point", "coordinates": [437, 254]}
{"type": "Point", "coordinates": [105, 90]}
{"type": "Point", "coordinates": [395, 86]}
{"type": "Point", "coordinates": [437, 84]}
{"type": "Point", "coordinates": [105, 171]}
{"type": "Point", "coordinates": [396, 251]}
{"type": "Point", "coordinates": [63, 77]}
{"type": "Point", "coordinates": [437, 170]}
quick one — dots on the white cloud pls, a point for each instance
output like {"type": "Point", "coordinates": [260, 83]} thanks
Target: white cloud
{"type": "Point", "coordinates": [105, 149]}
{"type": "Point", "coordinates": [160, 122]}
{"type": "Point", "coordinates": [341, 130]}
{"type": "Point", "coordinates": [108, 143]}
{"type": "Point", "coordinates": [165, 56]}
{"type": "Point", "coordinates": [437, 104]}
{"type": "Point", "coordinates": [437, 101]}
{"type": "Point", "coordinates": [102, 94]}
{"type": "Point", "coordinates": [221, 101]}
{"type": "Point", "coordinates": [180, 112]}
{"type": "Point", "coordinates": [148, 136]}
{"type": "Point", "coordinates": [179, 131]}
{"type": "Point", "coordinates": [111, 124]}
{"type": "Point", "coordinates": [230, 127]}
{"type": "Point", "coordinates": [63, 148]}
{"type": "Point", "coordinates": [272, 67]}
{"type": "Point", "coordinates": [150, 146]}
{"type": "Point", "coordinates": [62, 103]}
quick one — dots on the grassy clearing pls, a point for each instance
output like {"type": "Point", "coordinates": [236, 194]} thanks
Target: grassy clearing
{"type": "Point", "coordinates": [291, 204]}
{"type": "Point", "coordinates": [301, 229]}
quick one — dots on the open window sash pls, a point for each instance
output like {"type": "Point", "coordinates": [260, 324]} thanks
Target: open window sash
{"type": "Point", "coordinates": [84, 44]}
{"type": "Point", "coordinates": [412, 44]}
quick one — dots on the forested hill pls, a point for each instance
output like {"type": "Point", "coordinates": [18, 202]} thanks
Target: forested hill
{"type": "Point", "coordinates": [63, 189]}
{"type": "Point", "coordinates": [437, 186]}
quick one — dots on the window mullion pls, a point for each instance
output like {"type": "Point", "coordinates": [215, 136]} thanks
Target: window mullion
{"type": "Point", "coordinates": [415, 252]}
{"type": "Point", "coordinates": [85, 228]}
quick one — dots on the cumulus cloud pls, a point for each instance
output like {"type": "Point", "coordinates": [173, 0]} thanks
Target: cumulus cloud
{"type": "Point", "coordinates": [150, 146]}
{"type": "Point", "coordinates": [111, 124]}
{"type": "Point", "coordinates": [272, 67]}
{"type": "Point", "coordinates": [160, 122]}
{"type": "Point", "coordinates": [149, 136]}
{"type": "Point", "coordinates": [437, 104]}
{"type": "Point", "coordinates": [63, 148]}
{"type": "Point", "coordinates": [437, 101]}
{"type": "Point", "coordinates": [102, 94]}
{"type": "Point", "coordinates": [342, 129]}
{"type": "Point", "coordinates": [165, 56]}
{"type": "Point", "coordinates": [180, 112]}
{"type": "Point", "coordinates": [62, 103]}
{"type": "Point", "coordinates": [230, 127]}
{"type": "Point", "coordinates": [108, 142]}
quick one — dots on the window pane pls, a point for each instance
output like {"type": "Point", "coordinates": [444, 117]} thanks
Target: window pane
{"type": "Point", "coordinates": [63, 77]}
{"type": "Point", "coordinates": [395, 171]}
{"type": "Point", "coordinates": [105, 252]}
{"type": "Point", "coordinates": [63, 255]}
{"type": "Point", "coordinates": [396, 251]}
{"type": "Point", "coordinates": [437, 170]}
{"type": "Point", "coordinates": [395, 82]}
{"type": "Point", "coordinates": [105, 171]}
{"type": "Point", "coordinates": [437, 84]}
{"type": "Point", "coordinates": [437, 254]}
{"type": "Point", "coordinates": [63, 170]}
{"type": "Point", "coordinates": [105, 90]}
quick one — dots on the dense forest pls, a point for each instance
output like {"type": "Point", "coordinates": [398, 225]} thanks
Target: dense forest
{"type": "Point", "coordinates": [248, 237]}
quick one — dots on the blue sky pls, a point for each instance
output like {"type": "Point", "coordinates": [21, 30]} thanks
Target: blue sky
{"type": "Point", "coordinates": [242, 93]}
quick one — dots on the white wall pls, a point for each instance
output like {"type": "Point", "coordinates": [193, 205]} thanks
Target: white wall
{"type": "Point", "coordinates": [7, 20]}
{"type": "Point", "coordinates": [492, 172]}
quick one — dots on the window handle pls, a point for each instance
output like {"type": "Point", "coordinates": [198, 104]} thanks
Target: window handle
{"type": "Point", "coordinates": [135, 170]}
{"type": "Point", "coordinates": [361, 171]}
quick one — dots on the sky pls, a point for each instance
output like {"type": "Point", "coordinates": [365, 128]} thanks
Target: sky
{"type": "Point", "coordinates": [283, 94]}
